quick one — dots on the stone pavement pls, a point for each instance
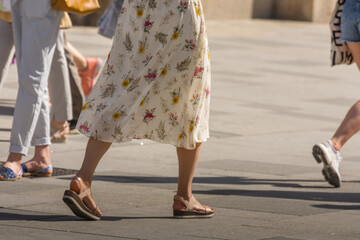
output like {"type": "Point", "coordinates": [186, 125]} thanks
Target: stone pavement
{"type": "Point", "coordinates": [273, 96]}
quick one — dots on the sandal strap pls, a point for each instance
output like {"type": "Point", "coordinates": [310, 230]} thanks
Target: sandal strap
{"type": "Point", "coordinates": [188, 204]}
{"type": "Point", "coordinates": [191, 204]}
{"type": "Point", "coordinates": [86, 192]}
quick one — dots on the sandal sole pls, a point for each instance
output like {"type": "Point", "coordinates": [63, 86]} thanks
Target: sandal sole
{"type": "Point", "coordinates": [77, 206]}
{"type": "Point", "coordinates": [11, 179]}
{"type": "Point", "coordinates": [188, 214]}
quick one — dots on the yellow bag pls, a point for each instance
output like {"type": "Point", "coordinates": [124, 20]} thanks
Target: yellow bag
{"type": "Point", "coordinates": [79, 7]}
{"type": "Point", "coordinates": [65, 21]}
{"type": "Point", "coordinates": [6, 16]}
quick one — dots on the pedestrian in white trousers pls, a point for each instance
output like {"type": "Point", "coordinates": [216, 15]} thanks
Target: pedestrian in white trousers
{"type": "Point", "coordinates": [59, 84]}
{"type": "Point", "coordinates": [35, 29]}
{"type": "Point", "coordinates": [6, 49]}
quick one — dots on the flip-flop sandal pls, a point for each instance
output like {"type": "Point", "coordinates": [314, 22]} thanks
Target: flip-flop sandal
{"type": "Point", "coordinates": [45, 172]}
{"type": "Point", "coordinates": [75, 202]}
{"type": "Point", "coordinates": [192, 209]}
{"type": "Point", "coordinates": [7, 174]}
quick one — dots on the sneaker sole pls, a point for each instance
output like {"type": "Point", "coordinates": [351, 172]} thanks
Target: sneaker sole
{"type": "Point", "coordinates": [330, 175]}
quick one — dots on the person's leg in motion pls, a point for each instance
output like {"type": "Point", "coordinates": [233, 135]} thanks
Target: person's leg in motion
{"type": "Point", "coordinates": [89, 69]}
{"type": "Point", "coordinates": [77, 94]}
{"type": "Point", "coordinates": [351, 124]}
{"type": "Point", "coordinates": [81, 183]}
{"type": "Point", "coordinates": [329, 152]}
{"type": "Point", "coordinates": [60, 94]}
{"type": "Point", "coordinates": [34, 51]}
{"type": "Point", "coordinates": [188, 160]}
{"type": "Point", "coordinates": [6, 49]}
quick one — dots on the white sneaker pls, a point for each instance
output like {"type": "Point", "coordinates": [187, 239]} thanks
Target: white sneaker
{"type": "Point", "coordinates": [326, 153]}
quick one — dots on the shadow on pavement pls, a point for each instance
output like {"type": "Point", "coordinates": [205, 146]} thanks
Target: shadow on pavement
{"type": "Point", "coordinates": [338, 207]}
{"type": "Point", "coordinates": [31, 216]}
{"type": "Point", "coordinates": [296, 195]}
{"type": "Point", "coordinates": [290, 183]}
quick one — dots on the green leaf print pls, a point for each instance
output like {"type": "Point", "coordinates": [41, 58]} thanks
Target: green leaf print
{"type": "Point", "coordinates": [184, 65]}
{"type": "Point", "coordinates": [128, 43]}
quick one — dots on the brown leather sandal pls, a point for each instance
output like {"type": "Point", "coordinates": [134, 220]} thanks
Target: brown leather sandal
{"type": "Point", "coordinates": [194, 209]}
{"type": "Point", "coordinates": [76, 203]}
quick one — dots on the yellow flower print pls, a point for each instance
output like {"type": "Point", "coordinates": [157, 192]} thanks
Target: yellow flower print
{"type": "Point", "coordinates": [175, 100]}
{"type": "Point", "coordinates": [198, 11]}
{"type": "Point", "coordinates": [163, 72]}
{"type": "Point", "coordinates": [181, 135]}
{"type": "Point", "coordinates": [175, 35]}
{"type": "Point", "coordinates": [139, 12]}
{"type": "Point", "coordinates": [116, 115]}
{"type": "Point", "coordinates": [125, 83]}
{"type": "Point", "coordinates": [191, 128]}
{"type": "Point", "coordinates": [141, 49]}
{"type": "Point", "coordinates": [142, 102]}
{"type": "Point", "coordinates": [84, 107]}
{"type": "Point", "coordinates": [208, 55]}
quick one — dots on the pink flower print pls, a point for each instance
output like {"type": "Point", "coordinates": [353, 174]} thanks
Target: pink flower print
{"type": "Point", "coordinates": [151, 76]}
{"type": "Point", "coordinates": [100, 107]}
{"type": "Point", "coordinates": [149, 115]}
{"type": "Point", "coordinates": [84, 128]}
{"type": "Point", "coordinates": [198, 70]}
{"type": "Point", "coordinates": [207, 92]}
{"type": "Point", "coordinates": [148, 23]}
{"type": "Point", "coordinates": [147, 60]}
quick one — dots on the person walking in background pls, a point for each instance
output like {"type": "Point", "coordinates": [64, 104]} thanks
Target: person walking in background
{"type": "Point", "coordinates": [35, 27]}
{"type": "Point", "coordinates": [59, 84]}
{"type": "Point", "coordinates": [88, 68]}
{"type": "Point", "coordinates": [328, 152]}
{"type": "Point", "coordinates": [108, 21]}
{"type": "Point", "coordinates": [6, 43]}
{"type": "Point", "coordinates": [155, 85]}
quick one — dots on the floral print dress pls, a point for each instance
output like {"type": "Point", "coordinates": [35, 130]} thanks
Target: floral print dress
{"type": "Point", "coordinates": [156, 82]}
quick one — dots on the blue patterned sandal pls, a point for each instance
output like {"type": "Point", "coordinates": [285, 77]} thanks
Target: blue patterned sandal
{"type": "Point", "coordinates": [7, 174]}
{"type": "Point", "coordinates": [45, 172]}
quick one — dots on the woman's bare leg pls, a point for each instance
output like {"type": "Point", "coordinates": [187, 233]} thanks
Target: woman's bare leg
{"type": "Point", "coordinates": [188, 160]}
{"type": "Point", "coordinates": [95, 150]}
{"type": "Point", "coordinates": [351, 124]}
{"type": "Point", "coordinates": [79, 59]}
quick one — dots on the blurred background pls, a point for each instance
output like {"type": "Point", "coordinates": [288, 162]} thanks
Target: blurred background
{"type": "Point", "coordinates": [318, 11]}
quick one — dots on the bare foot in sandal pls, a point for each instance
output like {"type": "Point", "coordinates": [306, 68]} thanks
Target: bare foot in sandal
{"type": "Point", "coordinates": [191, 208]}
{"type": "Point", "coordinates": [80, 200]}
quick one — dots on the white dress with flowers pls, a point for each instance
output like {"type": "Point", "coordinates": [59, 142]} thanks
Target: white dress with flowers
{"type": "Point", "coordinates": [156, 82]}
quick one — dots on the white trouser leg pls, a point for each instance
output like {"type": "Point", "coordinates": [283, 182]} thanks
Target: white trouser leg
{"type": "Point", "coordinates": [6, 49]}
{"type": "Point", "coordinates": [59, 84]}
{"type": "Point", "coordinates": [35, 28]}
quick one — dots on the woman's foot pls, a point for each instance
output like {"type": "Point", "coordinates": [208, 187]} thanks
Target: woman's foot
{"type": "Point", "coordinates": [59, 131]}
{"type": "Point", "coordinates": [11, 169]}
{"type": "Point", "coordinates": [190, 208]}
{"type": "Point", "coordinates": [80, 200]}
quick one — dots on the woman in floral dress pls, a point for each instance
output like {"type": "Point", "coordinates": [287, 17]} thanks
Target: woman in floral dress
{"type": "Point", "coordinates": [155, 85]}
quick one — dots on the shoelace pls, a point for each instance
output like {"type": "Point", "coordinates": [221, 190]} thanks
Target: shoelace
{"type": "Point", "coordinates": [337, 153]}
{"type": "Point", "coordinates": [338, 156]}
